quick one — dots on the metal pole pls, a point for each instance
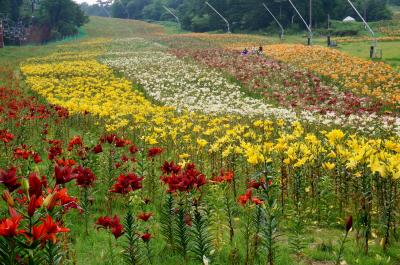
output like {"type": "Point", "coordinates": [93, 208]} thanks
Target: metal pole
{"type": "Point", "coordinates": [310, 13]}
{"type": "Point", "coordinates": [277, 21]}
{"type": "Point", "coordinates": [1, 34]}
{"type": "Point", "coordinates": [365, 23]}
{"type": "Point", "coordinates": [305, 23]}
{"type": "Point", "coordinates": [329, 31]}
{"type": "Point", "coordinates": [226, 21]}
{"type": "Point", "coordinates": [172, 13]}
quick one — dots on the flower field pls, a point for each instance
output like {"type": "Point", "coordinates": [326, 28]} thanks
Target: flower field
{"type": "Point", "coordinates": [139, 151]}
{"type": "Point", "coordinates": [361, 76]}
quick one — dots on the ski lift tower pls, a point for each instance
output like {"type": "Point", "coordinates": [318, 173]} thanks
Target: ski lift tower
{"type": "Point", "coordinates": [277, 21]}
{"type": "Point", "coordinates": [175, 16]}
{"type": "Point", "coordinates": [373, 49]}
{"type": "Point", "coordinates": [310, 34]}
{"type": "Point", "coordinates": [224, 19]}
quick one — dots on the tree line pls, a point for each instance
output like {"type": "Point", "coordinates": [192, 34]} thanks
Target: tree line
{"type": "Point", "coordinates": [195, 15]}
{"type": "Point", "coordinates": [53, 18]}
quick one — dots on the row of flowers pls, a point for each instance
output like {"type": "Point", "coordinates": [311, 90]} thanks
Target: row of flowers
{"type": "Point", "coordinates": [361, 76]}
{"type": "Point", "coordinates": [294, 89]}
{"type": "Point", "coordinates": [365, 39]}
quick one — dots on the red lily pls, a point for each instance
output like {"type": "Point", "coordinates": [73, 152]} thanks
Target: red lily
{"type": "Point", "coordinates": [97, 149]}
{"type": "Point", "coordinates": [34, 203]}
{"type": "Point", "coordinates": [9, 227]}
{"type": "Point", "coordinates": [146, 237]}
{"type": "Point", "coordinates": [35, 185]}
{"type": "Point", "coordinates": [48, 230]}
{"type": "Point", "coordinates": [169, 168]}
{"type": "Point", "coordinates": [84, 177]}
{"type": "Point", "coordinates": [127, 183]}
{"type": "Point", "coordinates": [9, 179]}
{"type": "Point", "coordinates": [145, 216]}
{"type": "Point", "coordinates": [63, 174]}
{"type": "Point", "coordinates": [155, 151]}
{"type": "Point", "coordinates": [243, 199]}
{"type": "Point", "coordinates": [114, 224]}
{"type": "Point", "coordinates": [77, 140]}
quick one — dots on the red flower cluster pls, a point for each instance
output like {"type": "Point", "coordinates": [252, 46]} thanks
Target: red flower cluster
{"type": "Point", "coordinates": [169, 168]}
{"type": "Point", "coordinates": [48, 230]}
{"type": "Point", "coordinates": [243, 199]}
{"type": "Point", "coordinates": [253, 184]}
{"type": "Point", "coordinates": [146, 237]}
{"type": "Point", "coordinates": [155, 151]}
{"type": "Point", "coordinates": [36, 184]}
{"type": "Point", "coordinates": [60, 197]}
{"type": "Point", "coordinates": [114, 139]}
{"type": "Point", "coordinates": [10, 179]}
{"type": "Point", "coordinates": [6, 136]}
{"type": "Point", "coordinates": [145, 216]}
{"type": "Point", "coordinates": [114, 224]}
{"type": "Point", "coordinates": [64, 174]}
{"type": "Point", "coordinates": [84, 177]}
{"type": "Point", "coordinates": [224, 177]}
{"type": "Point", "coordinates": [24, 153]}
{"type": "Point", "coordinates": [55, 149]}
{"type": "Point", "coordinates": [133, 149]}
{"type": "Point", "coordinates": [75, 141]}
{"type": "Point", "coordinates": [9, 227]}
{"type": "Point", "coordinates": [184, 180]}
{"type": "Point", "coordinates": [61, 112]}
{"type": "Point", "coordinates": [127, 183]}
{"type": "Point", "coordinates": [97, 149]}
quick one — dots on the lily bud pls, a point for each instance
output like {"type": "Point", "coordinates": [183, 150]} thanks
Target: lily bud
{"type": "Point", "coordinates": [349, 223]}
{"type": "Point", "coordinates": [25, 185]}
{"type": "Point", "coordinates": [52, 202]}
{"type": "Point", "coordinates": [46, 201]}
{"type": "Point", "coordinates": [7, 198]}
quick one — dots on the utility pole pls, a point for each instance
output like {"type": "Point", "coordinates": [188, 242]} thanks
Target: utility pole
{"type": "Point", "coordinates": [224, 19]}
{"type": "Point", "coordinates": [175, 16]}
{"type": "Point", "coordinates": [277, 21]}
{"type": "Point", "coordinates": [1, 34]}
{"type": "Point", "coordinates": [305, 23]}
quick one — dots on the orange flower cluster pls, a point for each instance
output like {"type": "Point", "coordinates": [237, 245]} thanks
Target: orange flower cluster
{"type": "Point", "coordinates": [361, 76]}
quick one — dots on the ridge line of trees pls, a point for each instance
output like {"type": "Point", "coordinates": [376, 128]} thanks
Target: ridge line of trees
{"type": "Point", "coordinates": [246, 14]}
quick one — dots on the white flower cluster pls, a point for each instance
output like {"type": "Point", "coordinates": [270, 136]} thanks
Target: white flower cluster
{"type": "Point", "coordinates": [186, 85]}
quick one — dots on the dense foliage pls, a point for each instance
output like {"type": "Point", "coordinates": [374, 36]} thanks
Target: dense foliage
{"type": "Point", "coordinates": [245, 14]}
{"type": "Point", "coordinates": [56, 18]}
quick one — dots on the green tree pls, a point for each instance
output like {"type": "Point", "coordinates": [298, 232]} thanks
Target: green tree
{"type": "Point", "coordinates": [62, 17]}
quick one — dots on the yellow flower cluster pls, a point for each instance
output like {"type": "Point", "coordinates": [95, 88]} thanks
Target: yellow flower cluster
{"type": "Point", "coordinates": [370, 78]}
{"type": "Point", "coordinates": [88, 86]}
